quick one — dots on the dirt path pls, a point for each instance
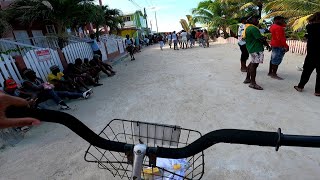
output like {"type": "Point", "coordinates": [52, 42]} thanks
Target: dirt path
{"type": "Point", "coordinates": [197, 88]}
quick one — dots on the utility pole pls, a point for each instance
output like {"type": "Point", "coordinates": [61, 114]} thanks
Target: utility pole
{"type": "Point", "coordinates": [155, 14]}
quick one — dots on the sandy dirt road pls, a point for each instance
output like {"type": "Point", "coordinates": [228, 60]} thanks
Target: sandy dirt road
{"type": "Point", "coordinates": [196, 88]}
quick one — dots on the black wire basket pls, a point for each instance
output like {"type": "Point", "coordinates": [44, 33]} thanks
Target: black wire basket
{"type": "Point", "coordinates": [153, 135]}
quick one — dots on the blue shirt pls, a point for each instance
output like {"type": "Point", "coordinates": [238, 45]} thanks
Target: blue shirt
{"type": "Point", "coordinates": [128, 42]}
{"type": "Point", "coordinates": [94, 45]}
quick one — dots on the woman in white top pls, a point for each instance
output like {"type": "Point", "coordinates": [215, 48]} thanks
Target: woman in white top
{"type": "Point", "coordinates": [184, 39]}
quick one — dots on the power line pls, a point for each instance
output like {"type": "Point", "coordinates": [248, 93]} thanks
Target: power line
{"type": "Point", "coordinates": [134, 3]}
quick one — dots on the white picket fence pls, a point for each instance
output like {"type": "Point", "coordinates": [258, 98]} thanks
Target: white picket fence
{"type": "Point", "coordinates": [8, 69]}
{"type": "Point", "coordinates": [295, 46]}
{"type": "Point", "coordinates": [41, 59]}
{"type": "Point", "coordinates": [77, 50]}
{"type": "Point", "coordinates": [121, 46]}
{"type": "Point", "coordinates": [41, 62]}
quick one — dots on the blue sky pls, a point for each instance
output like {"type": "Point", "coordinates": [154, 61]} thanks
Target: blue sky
{"type": "Point", "coordinates": [169, 12]}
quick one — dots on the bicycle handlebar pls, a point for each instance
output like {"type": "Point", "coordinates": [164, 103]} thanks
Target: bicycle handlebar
{"type": "Point", "coordinates": [233, 136]}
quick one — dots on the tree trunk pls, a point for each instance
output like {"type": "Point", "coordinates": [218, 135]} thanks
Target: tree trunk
{"type": "Point", "coordinates": [260, 5]}
{"type": "Point", "coordinates": [62, 38]}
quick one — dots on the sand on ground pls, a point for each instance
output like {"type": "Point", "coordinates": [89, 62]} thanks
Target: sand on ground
{"type": "Point", "coordinates": [197, 88]}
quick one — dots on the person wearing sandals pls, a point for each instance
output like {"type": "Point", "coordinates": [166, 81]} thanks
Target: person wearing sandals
{"type": "Point", "coordinates": [312, 60]}
{"type": "Point", "coordinates": [130, 47]}
{"type": "Point", "coordinates": [255, 44]}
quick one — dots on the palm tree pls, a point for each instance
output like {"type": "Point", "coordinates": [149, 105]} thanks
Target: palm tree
{"type": "Point", "coordinates": [192, 24]}
{"type": "Point", "coordinates": [184, 24]}
{"type": "Point", "coordinates": [248, 4]}
{"type": "Point", "coordinates": [113, 18]}
{"type": "Point", "coordinates": [59, 12]}
{"type": "Point", "coordinates": [215, 14]}
{"type": "Point", "coordinates": [297, 11]}
{"type": "Point", "coordinates": [4, 24]}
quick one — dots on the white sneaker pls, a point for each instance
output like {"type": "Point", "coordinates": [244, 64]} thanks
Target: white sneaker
{"type": "Point", "coordinates": [62, 107]}
{"type": "Point", "coordinates": [87, 94]}
{"type": "Point", "coordinates": [299, 68]}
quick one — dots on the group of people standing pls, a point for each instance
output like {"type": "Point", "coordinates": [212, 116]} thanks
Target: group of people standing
{"type": "Point", "coordinates": [252, 43]}
{"type": "Point", "coordinates": [185, 40]}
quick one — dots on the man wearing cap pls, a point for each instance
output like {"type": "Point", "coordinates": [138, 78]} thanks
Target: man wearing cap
{"type": "Point", "coordinates": [278, 44]}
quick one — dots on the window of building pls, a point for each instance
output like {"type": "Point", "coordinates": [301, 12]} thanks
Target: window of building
{"type": "Point", "coordinates": [128, 18]}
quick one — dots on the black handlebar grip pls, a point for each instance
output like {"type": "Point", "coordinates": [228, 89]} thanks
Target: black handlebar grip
{"type": "Point", "coordinates": [69, 121]}
{"type": "Point", "coordinates": [233, 136]}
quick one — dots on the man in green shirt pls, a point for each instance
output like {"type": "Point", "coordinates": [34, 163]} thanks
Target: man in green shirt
{"type": "Point", "coordinates": [255, 44]}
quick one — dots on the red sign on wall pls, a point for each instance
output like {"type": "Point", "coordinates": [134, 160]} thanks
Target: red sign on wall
{"type": "Point", "coordinates": [43, 55]}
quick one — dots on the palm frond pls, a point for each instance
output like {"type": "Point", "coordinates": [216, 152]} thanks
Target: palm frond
{"type": "Point", "coordinates": [247, 5]}
{"type": "Point", "coordinates": [300, 23]}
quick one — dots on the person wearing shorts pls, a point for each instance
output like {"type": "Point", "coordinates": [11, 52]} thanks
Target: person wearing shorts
{"type": "Point", "coordinates": [175, 40]}
{"type": "Point", "coordinates": [184, 39]}
{"type": "Point", "coordinates": [254, 44]}
{"type": "Point", "coordinates": [279, 46]}
{"type": "Point", "coordinates": [169, 37]}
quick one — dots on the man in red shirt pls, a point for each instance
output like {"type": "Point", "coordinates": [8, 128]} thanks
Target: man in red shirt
{"type": "Point", "coordinates": [278, 44]}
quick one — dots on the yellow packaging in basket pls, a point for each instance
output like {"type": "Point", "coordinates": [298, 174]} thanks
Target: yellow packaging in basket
{"type": "Point", "coordinates": [149, 173]}
{"type": "Point", "coordinates": [154, 171]}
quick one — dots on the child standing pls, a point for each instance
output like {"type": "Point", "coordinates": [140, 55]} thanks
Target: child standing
{"type": "Point", "coordinates": [160, 39]}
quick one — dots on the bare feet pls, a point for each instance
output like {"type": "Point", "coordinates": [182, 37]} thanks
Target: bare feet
{"type": "Point", "coordinates": [317, 94]}
{"type": "Point", "coordinates": [298, 89]}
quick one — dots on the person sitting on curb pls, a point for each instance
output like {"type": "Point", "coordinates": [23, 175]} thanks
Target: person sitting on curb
{"type": "Point", "coordinates": [62, 83]}
{"type": "Point", "coordinates": [44, 90]}
{"type": "Point", "coordinates": [11, 87]}
{"type": "Point", "coordinates": [104, 67]}
{"type": "Point", "coordinates": [78, 69]}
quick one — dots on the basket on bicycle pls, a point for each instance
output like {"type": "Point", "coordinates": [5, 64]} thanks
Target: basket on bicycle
{"type": "Point", "coordinates": [152, 135]}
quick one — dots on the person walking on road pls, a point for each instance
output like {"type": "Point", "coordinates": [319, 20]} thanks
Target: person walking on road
{"type": "Point", "coordinates": [175, 40]}
{"type": "Point", "coordinates": [279, 46]}
{"type": "Point", "coordinates": [160, 39]}
{"type": "Point", "coordinates": [130, 47]}
{"type": "Point", "coordinates": [312, 60]}
{"type": "Point", "coordinates": [242, 44]}
{"type": "Point", "coordinates": [255, 44]}
{"type": "Point", "coordinates": [169, 37]}
{"type": "Point", "coordinates": [184, 39]}
{"type": "Point", "coordinates": [193, 38]}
